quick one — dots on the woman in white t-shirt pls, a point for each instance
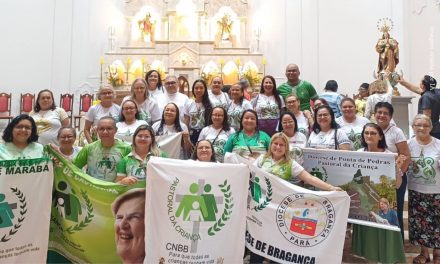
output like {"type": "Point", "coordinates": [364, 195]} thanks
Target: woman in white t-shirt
{"type": "Point", "coordinates": [303, 118]}
{"type": "Point", "coordinates": [218, 131]}
{"type": "Point", "coordinates": [48, 117]}
{"type": "Point", "coordinates": [396, 142]}
{"type": "Point", "coordinates": [148, 109]}
{"type": "Point", "coordinates": [238, 105]}
{"type": "Point", "coordinates": [106, 107]}
{"type": "Point", "coordinates": [198, 110]}
{"type": "Point", "coordinates": [351, 123]}
{"type": "Point", "coordinates": [297, 140]}
{"type": "Point", "coordinates": [128, 121]}
{"type": "Point", "coordinates": [326, 134]}
{"type": "Point", "coordinates": [424, 190]}
{"type": "Point", "coordinates": [372, 243]}
{"type": "Point", "coordinates": [154, 82]}
{"type": "Point", "coordinates": [66, 138]}
{"type": "Point", "coordinates": [216, 95]}
{"type": "Point", "coordinates": [204, 151]}
{"type": "Point", "coordinates": [268, 105]}
{"type": "Point", "coordinates": [170, 124]}
{"type": "Point", "coordinates": [378, 93]}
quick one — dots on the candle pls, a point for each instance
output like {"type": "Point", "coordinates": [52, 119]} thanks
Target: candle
{"type": "Point", "coordinates": [221, 61]}
{"type": "Point", "coordinates": [128, 61]}
{"type": "Point", "coordinates": [238, 61]}
{"type": "Point", "coordinates": [263, 61]}
{"type": "Point", "coordinates": [101, 61]}
{"type": "Point", "coordinates": [143, 61]}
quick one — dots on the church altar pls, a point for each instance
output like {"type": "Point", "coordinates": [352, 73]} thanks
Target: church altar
{"type": "Point", "coordinates": [190, 39]}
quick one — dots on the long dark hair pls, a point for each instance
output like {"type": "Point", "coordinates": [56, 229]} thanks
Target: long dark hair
{"type": "Point", "coordinates": [7, 133]}
{"type": "Point", "coordinates": [154, 149]}
{"type": "Point", "coordinates": [205, 100]}
{"type": "Point", "coordinates": [280, 127]}
{"type": "Point", "coordinates": [176, 120]}
{"type": "Point", "coordinates": [225, 125]}
{"type": "Point", "coordinates": [241, 120]}
{"type": "Point", "coordinates": [159, 81]}
{"type": "Point", "coordinates": [316, 127]}
{"type": "Point", "coordinates": [241, 84]}
{"type": "Point", "coordinates": [37, 106]}
{"type": "Point", "coordinates": [275, 92]}
{"type": "Point", "coordinates": [194, 154]}
{"type": "Point", "coordinates": [382, 143]}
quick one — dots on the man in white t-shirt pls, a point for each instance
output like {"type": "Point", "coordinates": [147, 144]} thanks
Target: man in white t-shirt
{"type": "Point", "coordinates": [171, 95]}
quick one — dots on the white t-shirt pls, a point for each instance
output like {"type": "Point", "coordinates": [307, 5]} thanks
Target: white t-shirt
{"type": "Point", "coordinates": [296, 144]}
{"type": "Point", "coordinates": [326, 140]}
{"type": "Point", "coordinates": [266, 106]}
{"type": "Point", "coordinates": [196, 113]}
{"type": "Point", "coordinates": [211, 134]}
{"type": "Point", "coordinates": [76, 150]}
{"type": "Point", "coordinates": [96, 112]}
{"type": "Point", "coordinates": [156, 93]}
{"type": "Point", "coordinates": [353, 130]}
{"type": "Point", "coordinates": [269, 165]}
{"type": "Point", "coordinates": [180, 99]}
{"type": "Point", "coordinates": [149, 110]}
{"type": "Point", "coordinates": [168, 130]}
{"type": "Point", "coordinates": [374, 99]}
{"type": "Point", "coordinates": [423, 172]}
{"type": "Point", "coordinates": [221, 99]}
{"type": "Point", "coordinates": [48, 123]}
{"type": "Point", "coordinates": [393, 135]}
{"type": "Point", "coordinates": [235, 111]}
{"type": "Point", "coordinates": [125, 132]}
{"type": "Point", "coordinates": [303, 124]}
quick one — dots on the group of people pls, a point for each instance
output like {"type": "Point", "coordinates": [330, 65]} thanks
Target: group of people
{"type": "Point", "coordinates": [270, 129]}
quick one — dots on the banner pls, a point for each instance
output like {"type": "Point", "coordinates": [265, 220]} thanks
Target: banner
{"type": "Point", "coordinates": [83, 227]}
{"type": "Point", "coordinates": [195, 211]}
{"type": "Point", "coordinates": [290, 224]}
{"type": "Point", "coordinates": [25, 191]}
{"type": "Point", "coordinates": [369, 179]}
{"type": "Point", "coordinates": [171, 144]}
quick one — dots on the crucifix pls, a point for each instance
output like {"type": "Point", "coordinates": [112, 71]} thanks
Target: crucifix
{"type": "Point", "coordinates": [196, 224]}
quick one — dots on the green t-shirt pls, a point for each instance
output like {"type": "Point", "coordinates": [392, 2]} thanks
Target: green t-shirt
{"type": "Point", "coordinates": [133, 165]}
{"type": "Point", "coordinates": [101, 162]}
{"type": "Point", "coordinates": [304, 90]}
{"type": "Point", "coordinates": [8, 151]}
{"type": "Point", "coordinates": [240, 143]}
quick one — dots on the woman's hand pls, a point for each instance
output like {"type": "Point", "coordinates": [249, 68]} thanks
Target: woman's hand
{"type": "Point", "coordinates": [400, 161]}
{"type": "Point", "coordinates": [336, 188]}
{"type": "Point", "coordinates": [129, 180]}
{"type": "Point", "coordinates": [187, 145]}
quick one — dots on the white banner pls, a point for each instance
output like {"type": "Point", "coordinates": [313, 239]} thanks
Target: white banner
{"type": "Point", "coordinates": [290, 224]}
{"type": "Point", "coordinates": [171, 144]}
{"type": "Point", "coordinates": [368, 178]}
{"type": "Point", "coordinates": [195, 212]}
{"type": "Point", "coordinates": [25, 199]}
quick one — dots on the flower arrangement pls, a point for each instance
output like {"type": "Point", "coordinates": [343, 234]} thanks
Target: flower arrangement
{"type": "Point", "coordinates": [116, 73]}
{"type": "Point", "coordinates": [250, 72]}
{"type": "Point", "coordinates": [209, 71]}
{"type": "Point", "coordinates": [159, 67]}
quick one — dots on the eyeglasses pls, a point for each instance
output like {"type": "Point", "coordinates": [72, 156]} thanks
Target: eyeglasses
{"type": "Point", "coordinates": [291, 101]}
{"type": "Point", "coordinates": [107, 93]}
{"type": "Point", "coordinates": [129, 108]}
{"type": "Point", "coordinates": [370, 133]}
{"type": "Point", "coordinates": [21, 127]}
{"type": "Point", "coordinates": [422, 126]}
{"type": "Point", "coordinates": [170, 83]}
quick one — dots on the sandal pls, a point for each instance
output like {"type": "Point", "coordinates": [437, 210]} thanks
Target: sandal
{"type": "Point", "coordinates": [421, 259]}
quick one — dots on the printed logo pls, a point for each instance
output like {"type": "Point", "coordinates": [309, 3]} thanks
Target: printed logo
{"type": "Point", "coordinates": [304, 219]}
{"type": "Point", "coordinates": [260, 196]}
{"type": "Point", "coordinates": [199, 206]}
{"type": "Point", "coordinates": [69, 207]}
{"type": "Point", "coordinates": [13, 209]}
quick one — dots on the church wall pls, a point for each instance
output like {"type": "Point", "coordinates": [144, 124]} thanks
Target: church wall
{"type": "Point", "coordinates": [58, 44]}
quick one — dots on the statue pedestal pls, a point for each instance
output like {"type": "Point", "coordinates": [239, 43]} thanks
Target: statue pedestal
{"type": "Point", "coordinates": [401, 115]}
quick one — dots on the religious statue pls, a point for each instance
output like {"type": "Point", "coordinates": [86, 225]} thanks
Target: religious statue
{"type": "Point", "coordinates": [146, 26]}
{"type": "Point", "coordinates": [388, 49]}
{"type": "Point", "coordinates": [224, 32]}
